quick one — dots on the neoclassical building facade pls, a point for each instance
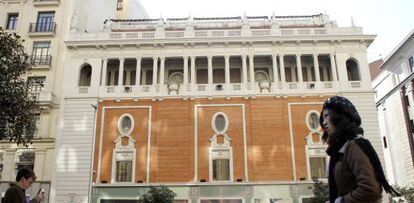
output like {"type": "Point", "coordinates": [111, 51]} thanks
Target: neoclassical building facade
{"type": "Point", "coordinates": [218, 109]}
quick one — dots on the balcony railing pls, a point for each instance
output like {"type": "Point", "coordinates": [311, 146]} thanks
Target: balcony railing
{"type": "Point", "coordinates": [218, 89]}
{"type": "Point", "coordinates": [41, 60]}
{"type": "Point", "coordinates": [48, 27]}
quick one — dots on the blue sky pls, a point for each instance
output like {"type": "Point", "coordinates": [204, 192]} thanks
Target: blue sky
{"type": "Point", "coordinates": [390, 20]}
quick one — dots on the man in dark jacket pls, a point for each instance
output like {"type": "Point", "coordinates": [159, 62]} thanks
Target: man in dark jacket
{"type": "Point", "coordinates": [16, 193]}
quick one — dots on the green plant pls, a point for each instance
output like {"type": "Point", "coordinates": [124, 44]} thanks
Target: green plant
{"type": "Point", "coordinates": [320, 190]}
{"type": "Point", "coordinates": [16, 103]}
{"type": "Point", "coordinates": [158, 194]}
{"type": "Point", "coordinates": [406, 192]}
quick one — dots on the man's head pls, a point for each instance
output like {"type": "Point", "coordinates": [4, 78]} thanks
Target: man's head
{"type": "Point", "coordinates": [25, 177]}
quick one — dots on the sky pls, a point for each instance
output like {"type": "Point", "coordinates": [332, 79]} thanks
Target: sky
{"type": "Point", "coordinates": [390, 20]}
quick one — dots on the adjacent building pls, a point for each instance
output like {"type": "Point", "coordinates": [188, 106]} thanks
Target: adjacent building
{"type": "Point", "coordinates": [220, 109]}
{"type": "Point", "coordinates": [44, 24]}
{"type": "Point", "coordinates": [393, 86]}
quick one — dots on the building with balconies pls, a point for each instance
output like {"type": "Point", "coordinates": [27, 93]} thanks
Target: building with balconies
{"type": "Point", "coordinates": [219, 109]}
{"type": "Point", "coordinates": [44, 24]}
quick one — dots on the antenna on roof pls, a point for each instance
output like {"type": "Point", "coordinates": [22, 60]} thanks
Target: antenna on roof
{"type": "Point", "coordinates": [273, 14]}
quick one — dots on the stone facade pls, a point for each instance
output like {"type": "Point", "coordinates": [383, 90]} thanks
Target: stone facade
{"type": "Point", "coordinates": [394, 100]}
{"type": "Point", "coordinates": [215, 108]}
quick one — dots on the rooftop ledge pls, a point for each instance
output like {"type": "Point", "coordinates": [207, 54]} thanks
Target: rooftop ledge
{"type": "Point", "coordinates": [230, 29]}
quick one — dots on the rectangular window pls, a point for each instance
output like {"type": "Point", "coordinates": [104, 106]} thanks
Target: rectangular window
{"type": "Point", "coordinates": [1, 162]}
{"type": "Point", "coordinates": [123, 171]}
{"type": "Point", "coordinates": [41, 53]}
{"type": "Point", "coordinates": [221, 170]}
{"type": "Point", "coordinates": [26, 160]}
{"type": "Point", "coordinates": [45, 21]}
{"type": "Point", "coordinates": [36, 85]}
{"type": "Point", "coordinates": [37, 125]}
{"type": "Point", "coordinates": [411, 62]}
{"type": "Point", "coordinates": [12, 19]}
{"type": "Point", "coordinates": [317, 167]}
{"type": "Point", "coordinates": [119, 5]}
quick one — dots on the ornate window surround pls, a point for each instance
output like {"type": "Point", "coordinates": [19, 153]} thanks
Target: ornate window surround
{"type": "Point", "coordinates": [307, 120]}
{"type": "Point", "coordinates": [314, 149]}
{"type": "Point", "coordinates": [213, 123]}
{"type": "Point", "coordinates": [120, 123]}
{"type": "Point", "coordinates": [121, 149]}
{"type": "Point", "coordinates": [220, 151]}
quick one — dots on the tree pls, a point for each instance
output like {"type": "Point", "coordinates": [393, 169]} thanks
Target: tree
{"type": "Point", "coordinates": [320, 190]}
{"type": "Point", "coordinates": [16, 103]}
{"type": "Point", "coordinates": [160, 194]}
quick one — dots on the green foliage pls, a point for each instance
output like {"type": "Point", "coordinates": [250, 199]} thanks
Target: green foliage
{"type": "Point", "coordinates": [160, 194]}
{"type": "Point", "coordinates": [320, 190]}
{"type": "Point", "coordinates": [406, 192]}
{"type": "Point", "coordinates": [16, 104]}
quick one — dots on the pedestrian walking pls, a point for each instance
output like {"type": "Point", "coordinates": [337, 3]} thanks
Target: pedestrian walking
{"type": "Point", "coordinates": [355, 173]}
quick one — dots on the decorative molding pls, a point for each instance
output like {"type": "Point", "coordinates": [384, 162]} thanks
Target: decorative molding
{"type": "Point", "coordinates": [148, 137]}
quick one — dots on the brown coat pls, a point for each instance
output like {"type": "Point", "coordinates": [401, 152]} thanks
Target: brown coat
{"type": "Point", "coordinates": [355, 177]}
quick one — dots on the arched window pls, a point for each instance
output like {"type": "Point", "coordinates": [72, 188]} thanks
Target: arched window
{"type": "Point", "coordinates": [352, 70]}
{"type": "Point", "coordinates": [85, 76]}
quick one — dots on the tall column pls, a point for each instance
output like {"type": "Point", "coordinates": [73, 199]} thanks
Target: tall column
{"type": "Point", "coordinates": [104, 70]}
{"type": "Point", "coordinates": [316, 65]}
{"type": "Point", "coordinates": [193, 70]}
{"type": "Point", "coordinates": [162, 70]}
{"type": "Point", "coordinates": [138, 72]}
{"type": "Point", "coordinates": [121, 71]}
{"type": "Point", "coordinates": [251, 68]}
{"type": "Point", "coordinates": [227, 69]}
{"type": "Point", "coordinates": [210, 69]}
{"type": "Point", "coordinates": [39, 163]}
{"type": "Point", "coordinates": [275, 72]}
{"type": "Point", "coordinates": [244, 69]}
{"type": "Point", "coordinates": [333, 67]}
{"type": "Point", "coordinates": [299, 68]}
{"type": "Point", "coordinates": [185, 70]}
{"type": "Point", "coordinates": [8, 165]}
{"type": "Point", "coordinates": [282, 68]}
{"type": "Point", "coordinates": [155, 70]}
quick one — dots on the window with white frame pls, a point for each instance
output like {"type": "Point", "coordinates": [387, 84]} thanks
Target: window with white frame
{"type": "Point", "coordinates": [123, 163]}
{"type": "Point", "coordinates": [24, 159]}
{"type": "Point", "coordinates": [221, 157]}
{"type": "Point", "coordinates": [1, 162]}
{"type": "Point", "coordinates": [221, 164]}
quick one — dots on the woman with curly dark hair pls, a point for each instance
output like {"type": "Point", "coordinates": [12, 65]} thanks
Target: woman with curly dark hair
{"type": "Point", "coordinates": [355, 172]}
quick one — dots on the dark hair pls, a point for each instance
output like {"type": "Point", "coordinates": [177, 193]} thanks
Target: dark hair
{"type": "Point", "coordinates": [25, 173]}
{"type": "Point", "coordinates": [345, 128]}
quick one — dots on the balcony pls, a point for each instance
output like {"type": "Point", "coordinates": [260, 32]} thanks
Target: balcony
{"type": "Point", "coordinates": [42, 29]}
{"type": "Point", "coordinates": [39, 3]}
{"type": "Point", "coordinates": [41, 61]}
{"type": "Point", "coordinates": [44, 99]}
